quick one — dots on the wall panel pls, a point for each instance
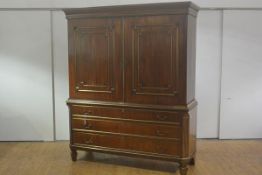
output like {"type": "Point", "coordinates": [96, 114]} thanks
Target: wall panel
{"type": "Point", "coordinates": [25, 74]}
{"type": "Point", "coordinates": [241, 98]}
{"type": "Point", "coordinates": [208, 67]}
{"type": "Point", "coordinates": [61, 84]}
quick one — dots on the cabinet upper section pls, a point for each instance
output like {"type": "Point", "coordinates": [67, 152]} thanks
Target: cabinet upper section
{"type": "Point", "coordinates": [134, 10]}
{"type": "Point", "coordinates": [147, 56]}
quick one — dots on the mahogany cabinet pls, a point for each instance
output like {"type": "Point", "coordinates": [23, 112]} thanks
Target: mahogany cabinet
{"type": "Point", "coordinates": [132, 80]}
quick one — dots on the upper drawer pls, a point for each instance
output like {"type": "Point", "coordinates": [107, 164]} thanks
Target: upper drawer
{"type": "Point", "coordinates": [150, 115]}
{"type": "Point", "coordinates": [96, 111]}
{"type": "Point", "coordinates": [126, 114]}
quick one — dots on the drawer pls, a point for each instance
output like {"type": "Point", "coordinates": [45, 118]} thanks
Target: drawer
{"type": "Point", "coordinates": [96, 111]}
{"type": "Point", "coordinates": [128, 114]}
{"type": "Point", "coordinates": [150, 115]}
{"type": "Point", "coordinates": [160, 146]}
{"type": "Point", "coordinates": [127, 127]}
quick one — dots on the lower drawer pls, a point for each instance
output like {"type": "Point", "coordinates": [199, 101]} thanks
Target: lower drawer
{"type": "Point", "coordinates": [160, 146]}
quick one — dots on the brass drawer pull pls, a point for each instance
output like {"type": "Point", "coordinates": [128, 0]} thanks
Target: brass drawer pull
{"type": "Point", "coordinates": [159, 133]}
{"type": "Point", "coordinates": [89, 141]}
{"type": "Point", "coordinates": [161, 117]}
{"type": "Point", "coordinates": [88, 113]}
{"type": "Point", "coordinates": [87, 125]}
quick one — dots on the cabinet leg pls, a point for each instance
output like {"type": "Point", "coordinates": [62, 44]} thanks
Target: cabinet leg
{"type": "Point", "coordinates": [183, 168]}
{"type": "Point", "coordinates": [73, 154]}
{"type": "Point", "coordinates": [192, 161]}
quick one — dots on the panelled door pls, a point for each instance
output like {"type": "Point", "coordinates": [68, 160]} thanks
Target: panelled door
{"type": "Point", "coordinates": [95, 59]}
{"type": "Point", "coordinates": [152, 59]}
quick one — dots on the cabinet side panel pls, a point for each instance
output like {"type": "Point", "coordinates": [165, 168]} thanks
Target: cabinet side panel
{"type": "Point", "coordinates": [191, 57]}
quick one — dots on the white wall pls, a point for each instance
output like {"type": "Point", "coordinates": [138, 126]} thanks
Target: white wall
{"type": "Point", "coordinates": [241, 100]}
{"type": "Point", "coordinates": [61, 84]}
{"type": "Point", "coordinates": [208, 67]}
{"type": "Point", "coordinates": [25, 74]}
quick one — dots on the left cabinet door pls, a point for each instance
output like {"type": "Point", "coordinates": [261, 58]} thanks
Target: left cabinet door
{"type": "Point", "coordinates": [95, 57]}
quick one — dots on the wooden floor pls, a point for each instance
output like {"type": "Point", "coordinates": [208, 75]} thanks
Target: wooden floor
{"type": "Point", "coordinates": [239, 157]}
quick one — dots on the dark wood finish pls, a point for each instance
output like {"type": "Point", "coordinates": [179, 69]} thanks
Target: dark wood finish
{"type": "Point", "coordinates": [127, 127]}
{"type": "Point", "coordinates": [95, 59]}
{"type": "Point", "coordinates": [154, 73]}
{"type": "Point", "coordinates": [157, 116]}
{"type": "Point", "coordinates": [96, 111]}
{"type": "Point", "coordinates": [178, 8]}
{"type": "Point", "coordinates": [113, 104]}
{"type": "Point", "coordinates": [142, 115]}
{"type": "Point", "coordinates": [73, 154]}
{"type": "Point", "coordinates": [128, 143]}
{"type": "Point", "coordinates": [132, 81]}
{"type": "Point", "coordinates": [183, 168]}
{"type": "Point", "coordinates": [192, 161]}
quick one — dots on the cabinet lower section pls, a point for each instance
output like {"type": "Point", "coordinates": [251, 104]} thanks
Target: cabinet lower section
{"type": "Point", "coordinates": [151, 132]}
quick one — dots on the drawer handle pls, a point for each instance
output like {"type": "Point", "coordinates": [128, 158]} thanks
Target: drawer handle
{"type": "Point", "coordinates": [89, 141]}
{"type": "Point", "coordinates": [161, 117]}
{"type": "Point", "coordinates": [88, 113]}
{"type": "Point", "coordinates": [87, 125]}
{"type": "Point", "coordinates": [159, 133]}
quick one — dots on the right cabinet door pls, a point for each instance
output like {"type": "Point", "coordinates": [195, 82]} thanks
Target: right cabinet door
{"type": "Point", "coordinates": [155, 59]}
